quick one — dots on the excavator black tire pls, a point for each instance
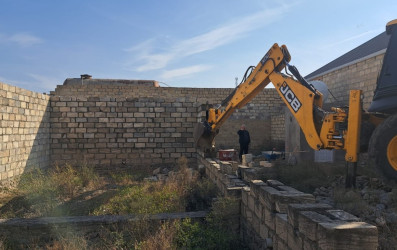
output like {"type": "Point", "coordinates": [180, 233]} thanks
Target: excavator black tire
{"type": "Point", "coordinates": [382, 148]}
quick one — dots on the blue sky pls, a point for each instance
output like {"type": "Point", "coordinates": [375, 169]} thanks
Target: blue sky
{"type": "Point", "coordinates": [184, 43]}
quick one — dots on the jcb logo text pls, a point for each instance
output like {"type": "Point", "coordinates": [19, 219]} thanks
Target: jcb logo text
{"type": "Point", "coordinates": [290, 97]}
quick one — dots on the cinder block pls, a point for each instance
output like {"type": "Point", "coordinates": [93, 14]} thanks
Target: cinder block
{"type": "Point", "coordinates": [256, 187]}
{"type": "Point", "coordinates": [274, 183]}
{"type": "Point", "coordinates": [234, 192]}
{"type": "Point", "coordinates": [347, 235]}
{"type": "Point", "coordinates": [281, 223]}
{"type": "Point", "coordinates": [308, 223]}
{"type": "Point", "coordinates": [279, 244]}
{"type": "Point", "coordinates": [256, 224]}
{"type": "Point", "coordinates": [263, 230]}
{"type": "Point", "coordinates": [267, 197]}
{"type": "Point", "coordinates": [269, 218]}
{"type": "Point", "coordinates": [251, 202]}
{"type": "Point", "coordinates": [248, 216]}
{"type": "Point", "coordinates": [309, 245]}
{"type": "Point", "coordinates": [294, 238]}
{"type": "Point", "coordinates": [258, 209]}
{"type": "Point", "coordinates": [341, 215]}
{"type": "Point", "coordinates": [283, 199]}
{"type": "Point", "coordinates": [294, 210]}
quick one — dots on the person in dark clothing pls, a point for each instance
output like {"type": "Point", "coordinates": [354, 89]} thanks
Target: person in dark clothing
{"type": "Point", "coordinates": [244, 140]}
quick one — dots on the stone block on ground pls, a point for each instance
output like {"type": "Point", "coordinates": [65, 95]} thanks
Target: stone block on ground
{"type": "Point", "coordinates": [266, 164]}
{"type": "Point", "coordinates": [247, 158]}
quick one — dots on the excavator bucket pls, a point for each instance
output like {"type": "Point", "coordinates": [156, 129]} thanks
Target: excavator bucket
{"type": "Point", "coordinates": [203, 136]}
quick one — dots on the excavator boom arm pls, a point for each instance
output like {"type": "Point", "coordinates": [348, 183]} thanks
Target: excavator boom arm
{"type": "Point", "coordinates": [275, 59]}
{"type": "Point", "coordinates": [323, 130]}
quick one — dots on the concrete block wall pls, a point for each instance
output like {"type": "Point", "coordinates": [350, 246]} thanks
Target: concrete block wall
{"type": "Point", "coordinates": [122, 131]}
{"type": "Point", "coordinates": [113, 124]}
{"type": "Point", "coordinates": [278, 136]}
{"type": "Point", "coordinates": [361, 75]}
{"type": "Point", "coordinates": [25, 131]}
{"type": "Point", "coordinates": [119, 124]}
{"type": "Point", "coordinates": [276, 216]}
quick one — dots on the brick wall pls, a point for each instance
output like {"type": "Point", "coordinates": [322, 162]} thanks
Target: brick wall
{"type": "Point", "coordinates": [361, 75]}
{"type": "Point", "coordinates": [118, 124]}
{"type": "Point", "coordinates": [25, 129]}
{"type": "Point", "coordinates": [121, 131]}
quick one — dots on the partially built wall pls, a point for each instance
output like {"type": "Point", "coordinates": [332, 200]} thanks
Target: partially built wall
{"type": "Point", "coordinates": [276, 216]}
{"type": "Point", "coordinates": [118, 124]}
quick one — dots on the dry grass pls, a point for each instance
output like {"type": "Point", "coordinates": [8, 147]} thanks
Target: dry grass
{"type": "Point", "coordinates": [39, 192]}
{"type": "Point", "coordinates": [184, 190]}
{"type": "Point", "coordinates": [162, 239]}
{"type": "Point", "coordinates": [68, 242]}
{"type": "Point", "coordinates": [307, 176]}
{"type": "Point", "coordinates": [351, 201]}
{"type": "Point", "coordinates": [45, 193]}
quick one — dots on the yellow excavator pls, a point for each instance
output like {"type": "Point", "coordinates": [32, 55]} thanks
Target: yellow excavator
{"type": "Point", "coordinates": [338, 128]}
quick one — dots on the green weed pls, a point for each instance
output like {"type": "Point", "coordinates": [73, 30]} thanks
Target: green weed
{"type": "Point", "coordinates": [217, 232]}
{"type": "Point", "coordinates": [148, 198]}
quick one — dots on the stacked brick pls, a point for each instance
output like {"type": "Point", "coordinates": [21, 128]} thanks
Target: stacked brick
{"type": "Point", "coordinates": [276, 216]}
{"type": "Point", "coordinates": [25, 131]}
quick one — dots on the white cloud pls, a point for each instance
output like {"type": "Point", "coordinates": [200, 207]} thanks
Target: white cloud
{"type": "Point", "coordinates": [349, 39]}
{"type": "Point", "coordinates": [185, 71]}
{"type": "Point", "coordinates": [21, 39]}
{"type": "Point", "coordinates": [45, 82]}
{"type": "Point", "coordinates": [217, 37]}
{"type": "Point", "coordinates": [10, 82]}
{"type": "Point", "coordinates": [155, 61]}
{"type": "Point", "coordinates": [39, 83]}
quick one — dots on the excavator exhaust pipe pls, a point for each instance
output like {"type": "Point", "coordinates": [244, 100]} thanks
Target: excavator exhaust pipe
{"type": "Point", "coordinates": [203, 136]}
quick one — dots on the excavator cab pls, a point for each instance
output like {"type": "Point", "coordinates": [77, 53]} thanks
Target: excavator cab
{"type": "Point", "coordinates": [385, 96]}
